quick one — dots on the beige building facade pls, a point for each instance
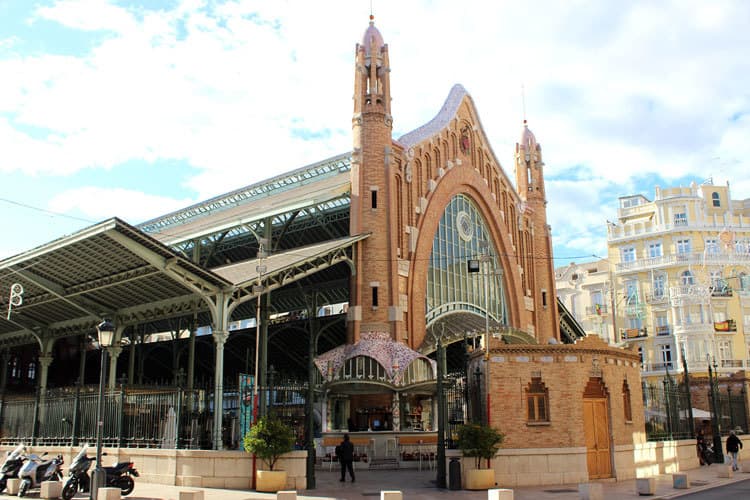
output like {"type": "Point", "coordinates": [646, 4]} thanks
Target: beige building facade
{"type": "Point", "coordinates": [681, 276]}
{"type": "Point", "coordinates": [586, 291]}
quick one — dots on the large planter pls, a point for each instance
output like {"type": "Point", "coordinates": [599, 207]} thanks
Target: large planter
{"type": "Point", "coordinates": [480, 479]}
{"type": "Point", "coordinates": [270, 480]}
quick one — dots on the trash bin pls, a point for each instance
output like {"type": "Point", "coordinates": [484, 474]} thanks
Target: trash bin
{"type": "Point", "coordinates": [454, 474]}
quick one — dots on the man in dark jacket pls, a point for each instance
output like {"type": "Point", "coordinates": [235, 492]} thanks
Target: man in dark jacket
{"type": "Point", "coordinates": [733, 448]}
{"type": "Point", "coordinates": [346, 456]}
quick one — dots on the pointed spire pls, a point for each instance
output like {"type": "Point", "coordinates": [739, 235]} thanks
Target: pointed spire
{"type": "Point", "coordinates": [372, 38]}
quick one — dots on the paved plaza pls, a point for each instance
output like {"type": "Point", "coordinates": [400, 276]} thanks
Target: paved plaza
{"type": "Point", "coordinates": [419, 485]}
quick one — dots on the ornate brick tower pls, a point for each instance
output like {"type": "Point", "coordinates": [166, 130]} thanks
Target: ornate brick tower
{"type": "Point", "coordinates": [374, 305]}
{"type": "Point", "coordinates": [536, 242]}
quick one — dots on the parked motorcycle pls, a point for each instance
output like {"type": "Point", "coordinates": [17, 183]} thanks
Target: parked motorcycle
{"type": "Point", "coordinates": [37, 470]}
{"type": "Point", "coordinates": [118, 476]}
{"type": "Point", "coordinates": [13, 461]}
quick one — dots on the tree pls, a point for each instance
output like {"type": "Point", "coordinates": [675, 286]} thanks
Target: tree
{"type": "Point", "coordinates": [268, 439]}
{"type": "Point", "coordinates": [479, 441]}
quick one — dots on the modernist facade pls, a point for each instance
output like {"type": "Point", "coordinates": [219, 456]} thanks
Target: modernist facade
{"type": "Point", "coordinates": [682, 278]}
{"type": "Point", "coordinates": [586, 292]}
{"type": "Point", "coordinates": [405, 243]}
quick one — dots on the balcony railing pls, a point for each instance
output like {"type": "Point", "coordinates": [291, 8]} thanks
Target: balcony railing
{"type": "Point", "coordinates": [597, 310]}
{"type": "Point", "coordinates": [698, 258]}
{"type": "Point", "coordinates": [729, 325]}
{"type": "Point", "coordinates": [657, 297]}
{"type": "Point", "coordinates": [662, 330]}
{"type": "Point", "coordinates": [633, 333]}
{"type": "Point", "coordinates": [721, 291]}
{"type": "Point", "coordinates": [732, 363]}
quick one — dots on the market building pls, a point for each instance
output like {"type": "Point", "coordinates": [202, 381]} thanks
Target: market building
{"type": "Point", "coordinates": [347, 274]}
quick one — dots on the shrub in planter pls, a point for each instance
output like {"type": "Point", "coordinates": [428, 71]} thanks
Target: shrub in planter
{"type": "Point", "coordinates": [479, 441]}
{"type": "Point", "coordinates": [268, 439]}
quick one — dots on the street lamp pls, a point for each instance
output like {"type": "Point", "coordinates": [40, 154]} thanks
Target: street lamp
{"type": "Point", "coordinates": [715, 426]}
{"type": "Point", "coordinates": [106, 331]}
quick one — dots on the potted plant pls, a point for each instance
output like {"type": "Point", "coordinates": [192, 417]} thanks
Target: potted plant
{"type": "Point", "coordinates": [268, 440]}
{"type": "Point", "coordinates": [482, 443]}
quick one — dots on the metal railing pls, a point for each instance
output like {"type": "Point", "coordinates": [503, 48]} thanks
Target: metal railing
{"type": "Point", "coordinates": [140, 417]}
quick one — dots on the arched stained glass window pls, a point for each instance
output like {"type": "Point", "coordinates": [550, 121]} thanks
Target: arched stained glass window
{"type": "Point", "coordinates": [462, 236]}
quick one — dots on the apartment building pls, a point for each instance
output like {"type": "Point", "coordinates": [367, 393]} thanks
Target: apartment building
{"type": "Point", "coordinates": [585, 290]}
{"type": "Point", "coordinates": [681, 272]}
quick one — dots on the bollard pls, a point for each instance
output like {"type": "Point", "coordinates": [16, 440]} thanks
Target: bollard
{"type": "Point", "coordinates": [391, 495]}
{"type": "Point", "coordinates": [500, 494]}
{"type": "Point", "coordinates": [590, 491]}
{"type": "Point", "coordinates": [680, 481]}
{"type": "Point", "coordinates": [645, 486]}
{"type": "Point", "coordinates": [50, 489]}
{"type": "Point", "coordinates": [13, 485]}
{"type": "Point", "coordinates": [108, 494]}
{"type": "Point", "coordinates": [191, 495]}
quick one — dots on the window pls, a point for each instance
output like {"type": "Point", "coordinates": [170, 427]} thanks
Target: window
{"type": "Point", "coordinates": [374, 296]}
{"type": "Point", "coordinates": [537, 399]}
{"type": "Point", "coordinates": [597, 302]}
{"type": "Point", "coordinates": [374, 198]}
{"type": "Point", "coordinates": [666, 355]}
{"type": "Point", "coordinates": [744, 280]}
{"type": "Point", "coordinates": [631, 291]}
{"type": "Point", "coordinates": [654, 249]}
{"type": "Point", "coordinates": [31, 372]}
{"type": "Point", "coordinates": [683, 247]}
{"type": "Point", "coordinates": [626, 401]}
{"type": "Point", "coordinates": [715, 199]}
{"type": "Point", "coordinates": [725, 351]}
{"type": "Point", "coordinates": [686, 278]}
{"type": "Point", "coordinates": [662, 324]}
{"type": "Point", "coordinates": [712, 246]}
{"type": "Point", "coordinates": [658, 285]}
{"type": "Point", "coordinates": [680, 218]}
{"type": "Point", "coordinates": [628, 254]}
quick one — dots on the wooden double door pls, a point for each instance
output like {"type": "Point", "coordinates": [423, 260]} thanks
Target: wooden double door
{"type": "Point", "coordinates": [596, 430]}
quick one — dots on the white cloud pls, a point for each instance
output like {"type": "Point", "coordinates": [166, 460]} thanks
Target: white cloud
{"type": "Point", "coordinates": [623, 91]}
{"type": "Point", "coordinates": [100, 203]}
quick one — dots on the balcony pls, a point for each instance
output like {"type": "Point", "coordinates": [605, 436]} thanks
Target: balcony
{"type": "Point", "coordinates": [663, 330]}
{"type": "Point", "coordinates": [693, 329]}
{"type": "Point", "coordinates": [597, 310]}
{"type": "Point", "coordinates": [657, 298]}
{"type": "Point", "coordinates": [684, 259]}
{"type": "Point", "coordinates": [732, 363]}
{"type": "Point", "coordinates": [727, 326]}
{"type": "Point", "coordinates": [659, 367]}
{"type": "Point", "coordinates": [633, 333]}
{"type": "Point", "coordinates": [721, 291]}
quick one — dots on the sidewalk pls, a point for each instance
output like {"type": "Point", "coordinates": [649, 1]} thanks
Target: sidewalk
{"type": "Point", "coordinates": [420, 486]}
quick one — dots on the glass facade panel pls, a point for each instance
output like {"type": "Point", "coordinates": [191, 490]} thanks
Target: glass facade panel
{"type": "Point", "coordinates": [450, 286]}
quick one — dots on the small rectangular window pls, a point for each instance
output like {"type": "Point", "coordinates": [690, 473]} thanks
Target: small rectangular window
{"type": "Point", "coordinates": [374, 198]}
{"type": "Point", "coordinates": [544, 298]}
{"type": "Point", "coordinates": [374, 296]}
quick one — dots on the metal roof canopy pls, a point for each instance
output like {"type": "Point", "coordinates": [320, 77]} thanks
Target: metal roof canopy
{"type": "Point", "coordinates": [114, 270]}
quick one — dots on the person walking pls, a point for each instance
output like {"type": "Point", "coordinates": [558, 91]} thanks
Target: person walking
{"type": "Point", "coordinates": [700, 447]}
{"type": "Point", "coordinates": [345, 452]}
{"type": "Point", "coordinates": [733, 448]}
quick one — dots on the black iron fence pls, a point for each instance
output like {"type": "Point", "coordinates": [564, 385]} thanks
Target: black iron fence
{"type": "Point", "coordinates": [142, 417]}
{"type": "Point", "coordinates": [668, 411]}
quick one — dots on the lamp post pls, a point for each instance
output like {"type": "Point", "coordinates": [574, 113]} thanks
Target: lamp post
{"type": "Point", "coordinates": [106, 332]}
{"type": "Point", "coordinates": [715, 426]}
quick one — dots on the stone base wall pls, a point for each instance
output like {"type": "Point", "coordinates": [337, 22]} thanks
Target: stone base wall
{"type": "Point", "coordinates": [196, 468]}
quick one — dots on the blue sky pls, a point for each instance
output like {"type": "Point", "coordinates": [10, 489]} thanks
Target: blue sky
{"type": "Point", "coordinates": [138, 108]}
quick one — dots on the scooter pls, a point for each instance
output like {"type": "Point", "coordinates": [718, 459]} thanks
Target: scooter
{"type": "Point", "coordinates": [118, 476]}
{"type": "Point", "coordinates": [13, 461]}
{"type": "Point", "coordinates": [36, 470]}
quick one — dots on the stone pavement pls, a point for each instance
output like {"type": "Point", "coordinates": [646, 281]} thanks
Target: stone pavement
{"type": "Point", "coordinates": [418, 485]}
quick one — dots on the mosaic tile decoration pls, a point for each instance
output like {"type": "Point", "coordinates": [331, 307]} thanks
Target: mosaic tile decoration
{"type": "Point", "coordinates": [394, 356]}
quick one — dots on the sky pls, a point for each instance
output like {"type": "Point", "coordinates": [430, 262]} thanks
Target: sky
{"type": "Point", "coordinates": [137, 108]}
